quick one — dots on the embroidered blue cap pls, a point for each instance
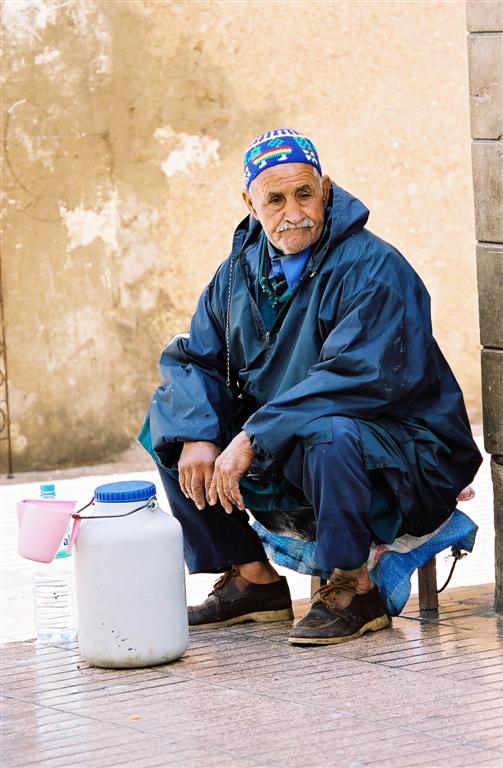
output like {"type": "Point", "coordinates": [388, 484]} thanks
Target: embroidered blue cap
{"type": "Point", "coordinates": [282, 145]}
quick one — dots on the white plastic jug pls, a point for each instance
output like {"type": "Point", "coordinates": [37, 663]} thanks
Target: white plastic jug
{"type": "Point", "coordinates": [130, 579]}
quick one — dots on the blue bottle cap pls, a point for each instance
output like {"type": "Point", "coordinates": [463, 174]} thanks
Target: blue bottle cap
{"type": "Point", "coordinates": [127, 490]}
{"type": "Point", "coordinates": [47, 489]}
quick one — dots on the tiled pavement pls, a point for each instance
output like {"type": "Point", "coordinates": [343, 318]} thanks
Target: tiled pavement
{"type": "Point", "coordinates": [424, 693]}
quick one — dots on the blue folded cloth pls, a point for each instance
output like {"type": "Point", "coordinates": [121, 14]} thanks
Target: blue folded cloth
{"type": "Point", "coordinates": [390, 566]}
{"type": "Point", "coordinates": [393, 569]}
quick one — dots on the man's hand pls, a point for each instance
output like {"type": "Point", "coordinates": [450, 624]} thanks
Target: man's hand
{"type": "Point", "coordinates": [229, 468]}
{"type": "Point", "coordinates": [195, 470]}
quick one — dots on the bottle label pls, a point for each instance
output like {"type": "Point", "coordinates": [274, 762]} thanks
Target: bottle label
{"type": "Point", "coordinates": [63, 547]}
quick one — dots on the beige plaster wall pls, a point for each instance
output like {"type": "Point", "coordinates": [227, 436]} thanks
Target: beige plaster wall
{"type": "Point", "coordinates": [124, 126]}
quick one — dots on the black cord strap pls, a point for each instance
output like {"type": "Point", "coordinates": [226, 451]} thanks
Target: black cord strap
{"type": "Point", "coordinates": [457, 555]}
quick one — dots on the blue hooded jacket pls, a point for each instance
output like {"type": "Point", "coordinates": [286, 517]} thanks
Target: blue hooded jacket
{"type": "Point", "coordinates": [354, 339]}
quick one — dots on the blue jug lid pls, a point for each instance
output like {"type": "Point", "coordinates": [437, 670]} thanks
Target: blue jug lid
{"type": "Point", "coordinates": [126, 490]}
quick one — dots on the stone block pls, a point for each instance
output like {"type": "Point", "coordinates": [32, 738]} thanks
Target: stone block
{"type": "Point", "coordinates": [490, 287]}
{"type": "Point", "coordinates": [497, 476]}
{"type": "Point", "coordinates": [484, 15]}
{"type": "Point", "coordinates": [487, 163]}
{"type": "Point", "coordinates": [492, 400]}
{"type": "Point", "coordinates": [485, 59]}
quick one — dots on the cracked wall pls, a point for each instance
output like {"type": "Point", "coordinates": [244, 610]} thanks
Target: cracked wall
{"type": "Point", "coordinates": [124, 126]}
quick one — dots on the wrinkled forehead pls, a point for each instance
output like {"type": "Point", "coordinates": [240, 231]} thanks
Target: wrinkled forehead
{"type": "Point", "coordinates": [286, 179]}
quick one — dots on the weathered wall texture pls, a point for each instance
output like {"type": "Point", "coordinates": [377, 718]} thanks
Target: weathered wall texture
{"type": "Point", "coordinates": [124, 127]}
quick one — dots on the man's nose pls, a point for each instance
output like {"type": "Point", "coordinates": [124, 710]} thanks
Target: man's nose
{"type": "Point", "coordinates": [293, 211]}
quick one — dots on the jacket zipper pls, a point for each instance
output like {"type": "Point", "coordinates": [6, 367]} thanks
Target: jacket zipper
{"type": "Point", "coordinates": [257, 317]}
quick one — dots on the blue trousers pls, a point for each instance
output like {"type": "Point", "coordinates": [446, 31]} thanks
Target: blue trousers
{"type": "Point", "coordinates": [337, 490]}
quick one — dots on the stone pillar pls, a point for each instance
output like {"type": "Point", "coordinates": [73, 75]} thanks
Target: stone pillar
{"type": "Point", "coordinates": [485, 58]}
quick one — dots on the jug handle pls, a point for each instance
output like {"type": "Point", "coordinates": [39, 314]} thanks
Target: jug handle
{"type": "Point", "coordinates": [77, 517]}
{"type": "Point", "coordinates": [151, 502]}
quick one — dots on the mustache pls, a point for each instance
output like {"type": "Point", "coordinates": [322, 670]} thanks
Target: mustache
{"type": "Point", "coordinates": [305, 223]}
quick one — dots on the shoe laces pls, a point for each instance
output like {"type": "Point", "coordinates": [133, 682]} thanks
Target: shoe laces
{"type": "Point", "coordinates": [327, 593]}
{"type": "Point", "coordinates": [223, 579]}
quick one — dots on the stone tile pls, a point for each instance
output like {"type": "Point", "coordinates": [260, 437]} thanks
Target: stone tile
{"type": "Point", "coordinates": [497, 479]}
{"type": "Point", "coordinates": [485, 65]}
{"type": "Point", "coordinates": [484, 16]}
{"type": "Point", "coordinates": [487, 163]}
{"type": "Point", "coordinates": [490, 290]}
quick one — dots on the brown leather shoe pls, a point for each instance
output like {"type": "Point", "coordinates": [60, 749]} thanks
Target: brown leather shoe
{"type": "Point", "coordinates": [234, 599]}
{"type": "Point", "coordinates": [327, 623]}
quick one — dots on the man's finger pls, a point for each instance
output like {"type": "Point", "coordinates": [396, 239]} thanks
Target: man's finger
{"type": "Point", "coordinates": [213, 493]}
{"type": "Point", "coordinates": [197, 491]}
{"type": "Point", "coordinates": [208, 477]}
{"type": "Point", "coordinates": [182, 481]}
{"type": "Point", "coordinates": [224, 501]}
{"type": "Point", "coordinates": [235, 493]}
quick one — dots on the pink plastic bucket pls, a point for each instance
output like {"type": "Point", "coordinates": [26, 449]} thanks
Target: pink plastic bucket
{"type": "Point", "coordinates": [42, 524]}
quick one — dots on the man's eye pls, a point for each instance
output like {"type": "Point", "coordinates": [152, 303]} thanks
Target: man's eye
{"type": "Point", "coordinates": [275, 200]}
{"type": "Point", "coordinates": [305, 195]}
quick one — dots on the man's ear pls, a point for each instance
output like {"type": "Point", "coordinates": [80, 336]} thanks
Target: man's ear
{"type": "Point", "coordinates": [249, 203]}
{"type": "Point", "coordinates": [326, 183]}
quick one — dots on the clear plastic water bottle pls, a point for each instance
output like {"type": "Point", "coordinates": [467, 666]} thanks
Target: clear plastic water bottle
{"type": "Point", "coordinates": [54, 591]}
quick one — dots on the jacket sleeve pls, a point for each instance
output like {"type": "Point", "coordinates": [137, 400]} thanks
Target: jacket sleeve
{"type": "Point", "coordinates": [193, 401]}
{"type": "Point", "coordinates": [374, 361]}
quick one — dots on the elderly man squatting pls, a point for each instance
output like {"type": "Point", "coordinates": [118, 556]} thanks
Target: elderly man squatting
{"type": "Point", "coordinates": [312, 392]}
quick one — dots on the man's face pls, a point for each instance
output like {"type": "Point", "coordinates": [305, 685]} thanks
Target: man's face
{"type": "Point", "coordinates": [289, 201]}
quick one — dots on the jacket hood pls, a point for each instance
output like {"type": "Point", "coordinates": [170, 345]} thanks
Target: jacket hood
{"type": "Point", "coordinates": [344, 215]}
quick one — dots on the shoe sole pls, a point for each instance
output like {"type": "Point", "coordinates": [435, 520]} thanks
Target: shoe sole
{"type": "Point", "coordinates": [372, 626]}
{"type": "Point", "coordinates": [260, 617]}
